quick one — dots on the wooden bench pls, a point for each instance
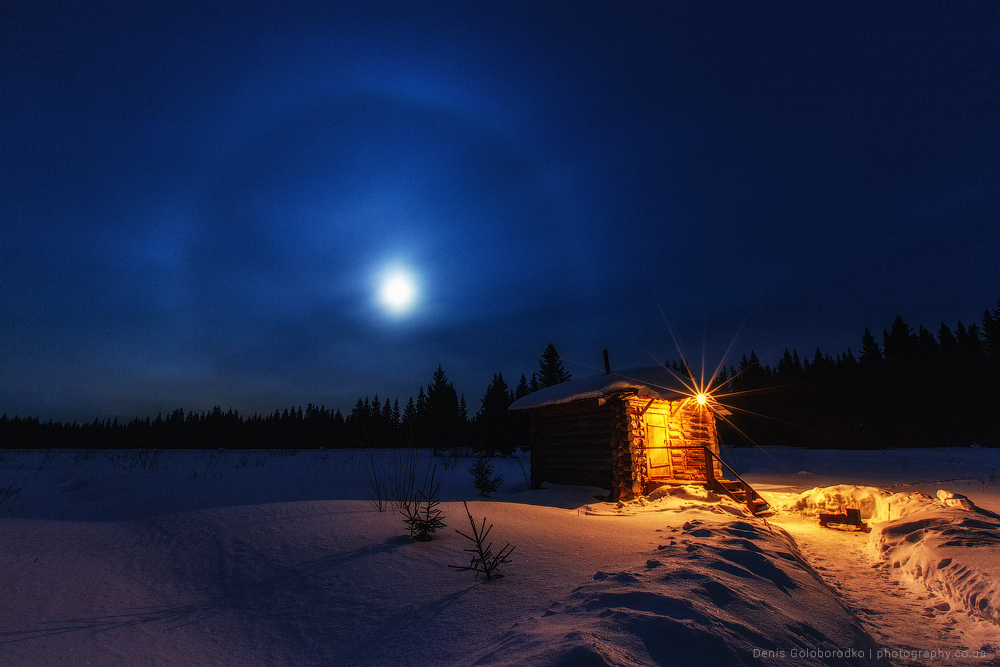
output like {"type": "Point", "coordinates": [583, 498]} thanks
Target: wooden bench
{"type": "Point", "coordinates": [850, 517]}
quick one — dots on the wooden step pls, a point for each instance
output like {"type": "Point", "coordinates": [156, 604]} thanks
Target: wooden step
{"type": "Point", "coordinates": [738, 491]}
{"type": "Point", "coordinates": [736, 488]}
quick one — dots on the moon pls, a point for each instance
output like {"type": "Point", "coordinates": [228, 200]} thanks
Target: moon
{"type": "Point", "coordinates": [398, 293]}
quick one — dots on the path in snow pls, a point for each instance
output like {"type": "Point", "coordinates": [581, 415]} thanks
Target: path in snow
{"type": "Point", "coordinates": [715, 590]}
{"type": "Point", "coordinates": [897, 617]}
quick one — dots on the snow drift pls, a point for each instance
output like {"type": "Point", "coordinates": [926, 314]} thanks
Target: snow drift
{"type": "Point", "coordinates": [713, 592]}
{"type": "Point", "coordinates": [946, 543]}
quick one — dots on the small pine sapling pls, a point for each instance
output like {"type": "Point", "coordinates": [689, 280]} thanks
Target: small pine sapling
{"type": "Point", "coordinates": [483, 559]}
{"type": "Point", "coordinates": [423, 517]}
{"type": "Point", "coordinates": [482, 474]}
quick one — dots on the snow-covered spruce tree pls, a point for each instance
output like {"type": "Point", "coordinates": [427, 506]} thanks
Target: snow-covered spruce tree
{"type": "Point", "coordinates": [482, 474]}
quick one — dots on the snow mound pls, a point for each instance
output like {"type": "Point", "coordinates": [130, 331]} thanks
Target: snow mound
{"type": "Point", "coordinates": [875, 504]}
{"type": "Point", "coordinates": [946, 543]}
{"type": "Point", "coordinates": [951, 550]}
{"type": "Point", "coordinates": [673, 499]}
{"type": "Point", "coordinates": [952, 499]}
{"type": "Point", "coordinates": [713, 592]}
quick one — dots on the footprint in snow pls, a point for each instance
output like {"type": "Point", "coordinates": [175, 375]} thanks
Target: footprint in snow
{"type": "Point", "coordinates": [554, 608]}
{"type": "Point", "coordinates": [621, 577]}
{"type": "Point", "coordinates": [745, 544]}
{"type": "Point", "coordinates": [752, 564]}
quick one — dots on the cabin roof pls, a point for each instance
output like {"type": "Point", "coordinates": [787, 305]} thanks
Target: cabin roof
{"type": "Point", "coordinates": [646, 381]}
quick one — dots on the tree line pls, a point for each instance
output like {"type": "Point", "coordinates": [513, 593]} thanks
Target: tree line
{"type": "Point", "coordinates": [910, 389]}
{"type": "Point", "coordinates": [905, 388]}
{"type": "Point", "coordinates": [439, 417]}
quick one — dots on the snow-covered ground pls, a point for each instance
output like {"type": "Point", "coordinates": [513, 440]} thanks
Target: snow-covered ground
{"type": "Point", "coordinates": [258, 558]}
{"type": "Point", "coordinates": [928, 574]}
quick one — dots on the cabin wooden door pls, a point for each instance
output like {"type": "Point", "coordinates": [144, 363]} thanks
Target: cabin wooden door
{"type": "Point", "coordinates": [657, 444]}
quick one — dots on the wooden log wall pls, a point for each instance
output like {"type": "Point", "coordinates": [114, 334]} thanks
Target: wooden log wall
{"type": "Point", "coordinates": [603, 444]}
{"type": "Point", "coordinates": [699, 430]}
{"type": "Point", "coordinates": [689, 428]}
{"type": "Point", "coordinates": [571, 444]}
{"type": "Point", "coordinates": [713, 429]}
{"type": "Point", "coordinates": [629, 446]}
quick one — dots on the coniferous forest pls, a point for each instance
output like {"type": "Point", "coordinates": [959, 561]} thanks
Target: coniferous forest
{"type": "Point", "coordinates": [904, 388]}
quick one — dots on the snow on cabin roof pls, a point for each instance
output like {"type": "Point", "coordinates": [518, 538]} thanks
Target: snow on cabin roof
{"type": "Point", "coordinates": [648, 381]}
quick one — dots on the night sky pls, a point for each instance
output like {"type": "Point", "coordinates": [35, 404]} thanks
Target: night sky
{"type": "Point", "coordinates": [200, 202]}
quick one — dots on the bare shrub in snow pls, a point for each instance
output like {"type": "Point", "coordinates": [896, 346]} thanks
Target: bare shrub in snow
{"type": "Point", "coordinates": [423, 517]}
{"type": "Point", "coordinates": [378, 495]}
{"type": "Point", "coordinates": [483, 559]}
{"type": "Point", "coordinates": [8, 493]}
{"type": "Point", "coordinates": [85, 455]}
{"type": "Point", "coordinates": [143, 459]}
{"type": "Point", "coordinates": [448, 457]}
{"type": "Point", "coordinates": [524, 471]}
{"type": "Point", "coordinates": [391, 479]}
{"type": "Point", "coordinates": [987, 481]}
{"type": "Point", "coordinates": [403, 489]}
{"type": "Point", "coordinates": [210, 469]}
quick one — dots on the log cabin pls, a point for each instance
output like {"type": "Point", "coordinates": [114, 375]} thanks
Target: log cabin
{"type": "Point", "coordinates": [627, 432]}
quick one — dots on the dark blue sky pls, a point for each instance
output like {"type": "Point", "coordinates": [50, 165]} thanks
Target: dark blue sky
{"type": "Point", "coordinates": [199, 200]}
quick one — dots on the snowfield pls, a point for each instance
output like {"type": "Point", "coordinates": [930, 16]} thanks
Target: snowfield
{"type": "Point", "coordinates": [262, 558]}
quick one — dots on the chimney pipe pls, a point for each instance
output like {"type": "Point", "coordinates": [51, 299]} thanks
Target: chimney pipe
{"type": "Point", "coordinates": [607, 364]}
